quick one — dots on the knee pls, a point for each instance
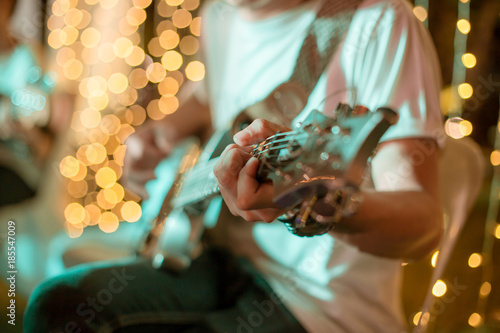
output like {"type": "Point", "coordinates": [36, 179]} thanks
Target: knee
{"type": "Point", "coordinates": [53, 307]}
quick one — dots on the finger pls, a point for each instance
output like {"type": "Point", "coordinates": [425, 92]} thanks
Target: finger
{"type": "Point", "coordinates": [270, 214]}
{"type": "Point", "coordinates": [258, 131]}
{"type": "Point", "coordinates": [232, 159]}
{"type": "Point", "coordinates": [229, 200]}
{"type": "Point", "coordinates": [252, 194]}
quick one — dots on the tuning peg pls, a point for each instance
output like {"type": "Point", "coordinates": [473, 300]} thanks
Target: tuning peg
{"type": "Point", "coordinates": [359, 110]}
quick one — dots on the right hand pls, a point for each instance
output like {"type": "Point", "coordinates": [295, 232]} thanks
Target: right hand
{"type": "Point", "coordinates": [145, 149]}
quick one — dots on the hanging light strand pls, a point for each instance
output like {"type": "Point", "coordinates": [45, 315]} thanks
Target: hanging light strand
{"type": "Point", "coordinates": [421, 11]}
{"type": "Point", "coordinates": [460, 89]}
{"type": "Point", "coordinates": [491, 234]}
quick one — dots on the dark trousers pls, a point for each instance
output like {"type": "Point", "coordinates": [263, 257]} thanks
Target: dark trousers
{"type": "Point", "coordinates": [218, 293]}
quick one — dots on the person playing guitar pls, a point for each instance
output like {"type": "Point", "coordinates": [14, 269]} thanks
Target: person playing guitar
{"type": "Point", "coordinates": [259, 277]}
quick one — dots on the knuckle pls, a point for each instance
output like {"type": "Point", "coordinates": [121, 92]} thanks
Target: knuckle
{"type": "Point", "coordinates": [261, 124]}
{"type": "Point", "coordinates": [243, 203]}
{"type": "Point", "coordinates": [223, 179]}
{"type": "Point", "coordinates": [268, 218]}
{"type": "Point", "coordinates": [251, 218]}
{"type": "Point", "coordinates": [233, 211]}
{"type": "Point", "coordinates": [217, 170]}
{"type": "Point", "coordinates": [234, 162]}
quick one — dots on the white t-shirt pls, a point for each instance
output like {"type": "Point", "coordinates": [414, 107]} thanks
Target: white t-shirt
{"type": "Point", "coordinates": [387, 59]}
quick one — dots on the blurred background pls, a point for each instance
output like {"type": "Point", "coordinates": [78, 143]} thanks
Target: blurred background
{"type": "Point", "coordinates": [96, 69]}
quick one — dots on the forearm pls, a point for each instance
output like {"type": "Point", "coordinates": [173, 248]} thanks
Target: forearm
{"type": "Point", "coordinates": [403, 224]}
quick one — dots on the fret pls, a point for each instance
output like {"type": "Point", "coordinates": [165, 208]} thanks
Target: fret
{"type": "Point", "coordinates": [197, 184]}
{"type": "Point", "coordinates": [200, 183]}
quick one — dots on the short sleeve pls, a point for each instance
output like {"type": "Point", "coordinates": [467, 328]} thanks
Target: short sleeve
{"type": "Point", "coordinates": [388, 59]}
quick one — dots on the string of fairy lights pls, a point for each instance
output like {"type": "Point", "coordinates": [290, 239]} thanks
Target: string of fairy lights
{"type": "Point", "coordinates": [453, 99]}
{"type": "Point", "coordinates": [421, 10]}
{"type": "Point", "coordinates": [460, 90]}
{"type": "Point", "coordinates": [103, 59]}
{"type": "Point", "coordinates": [491, 232]}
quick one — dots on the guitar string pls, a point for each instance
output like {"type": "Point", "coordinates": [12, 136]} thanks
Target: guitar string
{"type": "Point", "coordinates": [201, 172]}
{"type": "Point", "coordinates": [203, 169]}
{"type": "Point", "coordinates": [197, 173]}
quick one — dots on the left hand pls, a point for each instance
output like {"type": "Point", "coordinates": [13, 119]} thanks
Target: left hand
{"type": "Point", "coordinates": [236, 173]}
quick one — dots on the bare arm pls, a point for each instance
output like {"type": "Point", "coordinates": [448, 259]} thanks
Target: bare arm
{"type": "Point", "coordinates": [402, 218]}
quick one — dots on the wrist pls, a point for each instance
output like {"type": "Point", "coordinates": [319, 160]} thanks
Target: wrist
{"type": "Point", "coordinates": [318, 216]}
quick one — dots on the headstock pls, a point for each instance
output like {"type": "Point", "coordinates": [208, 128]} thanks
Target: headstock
{"type": "Point", "coordinates": [323, 153]}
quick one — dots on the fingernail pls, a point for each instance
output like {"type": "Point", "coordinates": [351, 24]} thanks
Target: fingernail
{"type": "Point", "coordinates": [239, 136]}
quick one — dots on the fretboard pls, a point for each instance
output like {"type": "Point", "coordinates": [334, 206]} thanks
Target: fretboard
{"type": "Point", "coordinates": [200, 183]}
{"type": "Point", "coordinates": [197, 184]}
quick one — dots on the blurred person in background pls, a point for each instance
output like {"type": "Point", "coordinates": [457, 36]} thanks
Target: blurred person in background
{"type": "Point", "coordinates": [25, 133]}
{"type": "Point", "coordinates": [33, 122]}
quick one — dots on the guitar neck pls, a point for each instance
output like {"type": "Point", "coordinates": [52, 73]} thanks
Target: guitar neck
{"type": "Point", "coordinates": [197, 185]}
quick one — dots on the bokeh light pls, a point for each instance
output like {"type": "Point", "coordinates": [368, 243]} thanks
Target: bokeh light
{"type": "Point", "coordinates": [485, 289]}
{"type": "Point", "coordinates": [123, 47]}
{"type": "Point", "coordinates": [475, 260]}
{"type": "Point", "coordinates": [169, 39]}
{"type": "Point", "coordinates": [182, 18]}
{"type": "Point", "coordinates": [469, 60]}
{"type": "Point", "coordinates": [420, 12]}
{"type": "Point", "coordinates": [195, 71]}
{"type": "Point", "coordinates": [105, 177]}
{"type": "Point", "coordinates": [96, 153]}
{"type": "Point", "coordinates": [475, 320]}
{"type": "Point", "coordinates": [465, 90]}
{"type": "Point", "coordinates": [495, 157]}
{"type": "Point", "coordinates": [463, 26]}
{"type": "Point", "coordinates": [90, 118]}
{"type": "Point", "coordinates": [455, 128]}
{"type": "Point", "coordinates": [74, 213]}
{"type": "Point", "coordinates": [108, 222]}
{"type": "Point", "coordinates": [90, 37]}
{"type": "Point", "coordinates": [169, 86]}
{"type": "Point", "coordinates": [117, 83]}
{"type": "Point", "coordinates": [189, 45]}
{"type": "Point", "coordinates": [439, 288]}
{"type": "Point", "coordinates": [434, 258]}
{"type": "Point", "coordinates": [195, 26]}
{"type": "Point", "coordinates": [107, 70]}
{"type": "Point", "coordinates": [171, 60]}
{"type": "Point", "coordinates": [69, 166]}
{"type": "Point", "coordinates": [131, 211]}
{"type": "Point", "coordinates": [138, 78]}
{"type": "Point", "coordinates": [156, 72]}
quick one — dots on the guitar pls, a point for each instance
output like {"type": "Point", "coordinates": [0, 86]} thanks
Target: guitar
{"type": "Point", "coordinates": [321, 154]}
